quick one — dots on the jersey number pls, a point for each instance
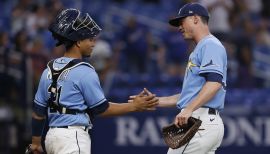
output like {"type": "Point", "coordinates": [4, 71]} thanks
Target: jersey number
{"type": "Point", "coordinates": [55, 92]}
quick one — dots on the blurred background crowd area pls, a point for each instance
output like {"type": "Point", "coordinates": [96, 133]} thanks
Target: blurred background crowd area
{"type": "Point", "coordinates": [136, 48]}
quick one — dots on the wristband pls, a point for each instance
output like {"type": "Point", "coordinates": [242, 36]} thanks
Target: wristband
{"type": "Point", "coordinates": [37, 126]}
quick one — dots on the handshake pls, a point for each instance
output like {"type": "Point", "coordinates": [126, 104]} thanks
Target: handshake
{"type": "Point", "coordinates": [144, 101]}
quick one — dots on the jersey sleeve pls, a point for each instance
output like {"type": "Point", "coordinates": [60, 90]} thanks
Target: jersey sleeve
{"type": "Point", "coordinates": [213, 59]}
{"type": "Point", "coordinates": [42, 94]}
{"type": "Point", "coordinates": [91, 89]}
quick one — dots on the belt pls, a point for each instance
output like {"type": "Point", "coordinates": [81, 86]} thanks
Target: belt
{"type": "Point", "coordinates": [85, 128]}
{"type": "Point", "coordinates": [205, 111]}
{"type": "Point", "coordinates": [212, 111]}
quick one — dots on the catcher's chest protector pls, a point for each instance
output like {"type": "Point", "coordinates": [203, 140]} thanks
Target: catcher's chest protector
{"type": "Point", "coordinates": [53, 101]}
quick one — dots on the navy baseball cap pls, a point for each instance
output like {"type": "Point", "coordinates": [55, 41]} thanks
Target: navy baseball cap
{"type": "Point", "coordinates": [189, 9]}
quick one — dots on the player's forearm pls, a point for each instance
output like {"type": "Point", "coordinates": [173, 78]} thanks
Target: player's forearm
{"type": "Point", "coordinates": [37, 126]}
{"type": "Point", "coordinates": [208, 91]}
{"type": "Point", "coordinates": [116, 109]}
{"type": "Point", "coordinates": [169, 101]}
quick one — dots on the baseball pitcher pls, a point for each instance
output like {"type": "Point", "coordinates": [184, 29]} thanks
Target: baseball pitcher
{"type": "Point", "coordinates": [204, 86]}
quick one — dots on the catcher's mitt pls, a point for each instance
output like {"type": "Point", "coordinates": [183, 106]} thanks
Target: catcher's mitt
{"type": "Point", "coordinates": [176, 137]}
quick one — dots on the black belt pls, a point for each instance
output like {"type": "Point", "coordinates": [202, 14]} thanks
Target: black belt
{"type": "Point", "coordinates": [66, 111]}
{"type": "Point", "coordinates": [212, 111]}
{"type": "Point", "coordinates": [85, 127]}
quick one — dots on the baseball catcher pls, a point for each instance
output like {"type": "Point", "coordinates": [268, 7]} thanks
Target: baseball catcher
{"type": "Point", "coordinates": [69, 94]}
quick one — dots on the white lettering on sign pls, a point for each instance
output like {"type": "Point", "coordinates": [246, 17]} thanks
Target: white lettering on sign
{"type": "Point", "coordinates": [129, 133]}
{"type": "Point", "coordinates": [151, 132]}
{"type": "Point", "coordinates": [126, 129]}
{"type": "Point", "coordinates": [239, 131]}
{"type": "Point", "coordinates": [248, 130]}
{"type": "Point", "coordinates": [230, 137]}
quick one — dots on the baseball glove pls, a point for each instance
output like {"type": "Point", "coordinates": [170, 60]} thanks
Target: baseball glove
{"type": "Point", "coordinates": [176, 137]}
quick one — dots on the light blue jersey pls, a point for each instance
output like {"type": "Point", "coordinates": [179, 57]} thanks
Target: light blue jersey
{"type": "Point", "coordinates": [80, 89]}
{"type": "Point", "coordinates": [208, 56]}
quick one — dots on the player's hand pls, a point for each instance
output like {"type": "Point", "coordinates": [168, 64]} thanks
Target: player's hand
{"type": "Point", "coordinates": [182, 117]}
{"type": "Point", "coordinates": [143, 102]}
{"type": "Point", "coordinates": [145, 92]}
{"type": "Point", "coordinates": [36, 147]}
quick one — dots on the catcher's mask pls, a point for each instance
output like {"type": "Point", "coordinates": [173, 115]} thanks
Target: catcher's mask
{"type": "Point", "coordinates": [73, 25]}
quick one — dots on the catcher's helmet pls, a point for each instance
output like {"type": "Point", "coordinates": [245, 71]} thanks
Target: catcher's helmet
{"type": "Point", "coordinates": [189, 9]}
{"type": "Point", "coordinates": [72, 25]}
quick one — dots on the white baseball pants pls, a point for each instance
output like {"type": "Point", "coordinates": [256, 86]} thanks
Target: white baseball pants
{"type": "Point", "coordinates": [71, 140]}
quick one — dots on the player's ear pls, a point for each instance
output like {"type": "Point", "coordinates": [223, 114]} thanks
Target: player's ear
{"type": "Point", "coordinates": [196, 19]}
{"type": "Point", "coordinates": [78, 44]}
